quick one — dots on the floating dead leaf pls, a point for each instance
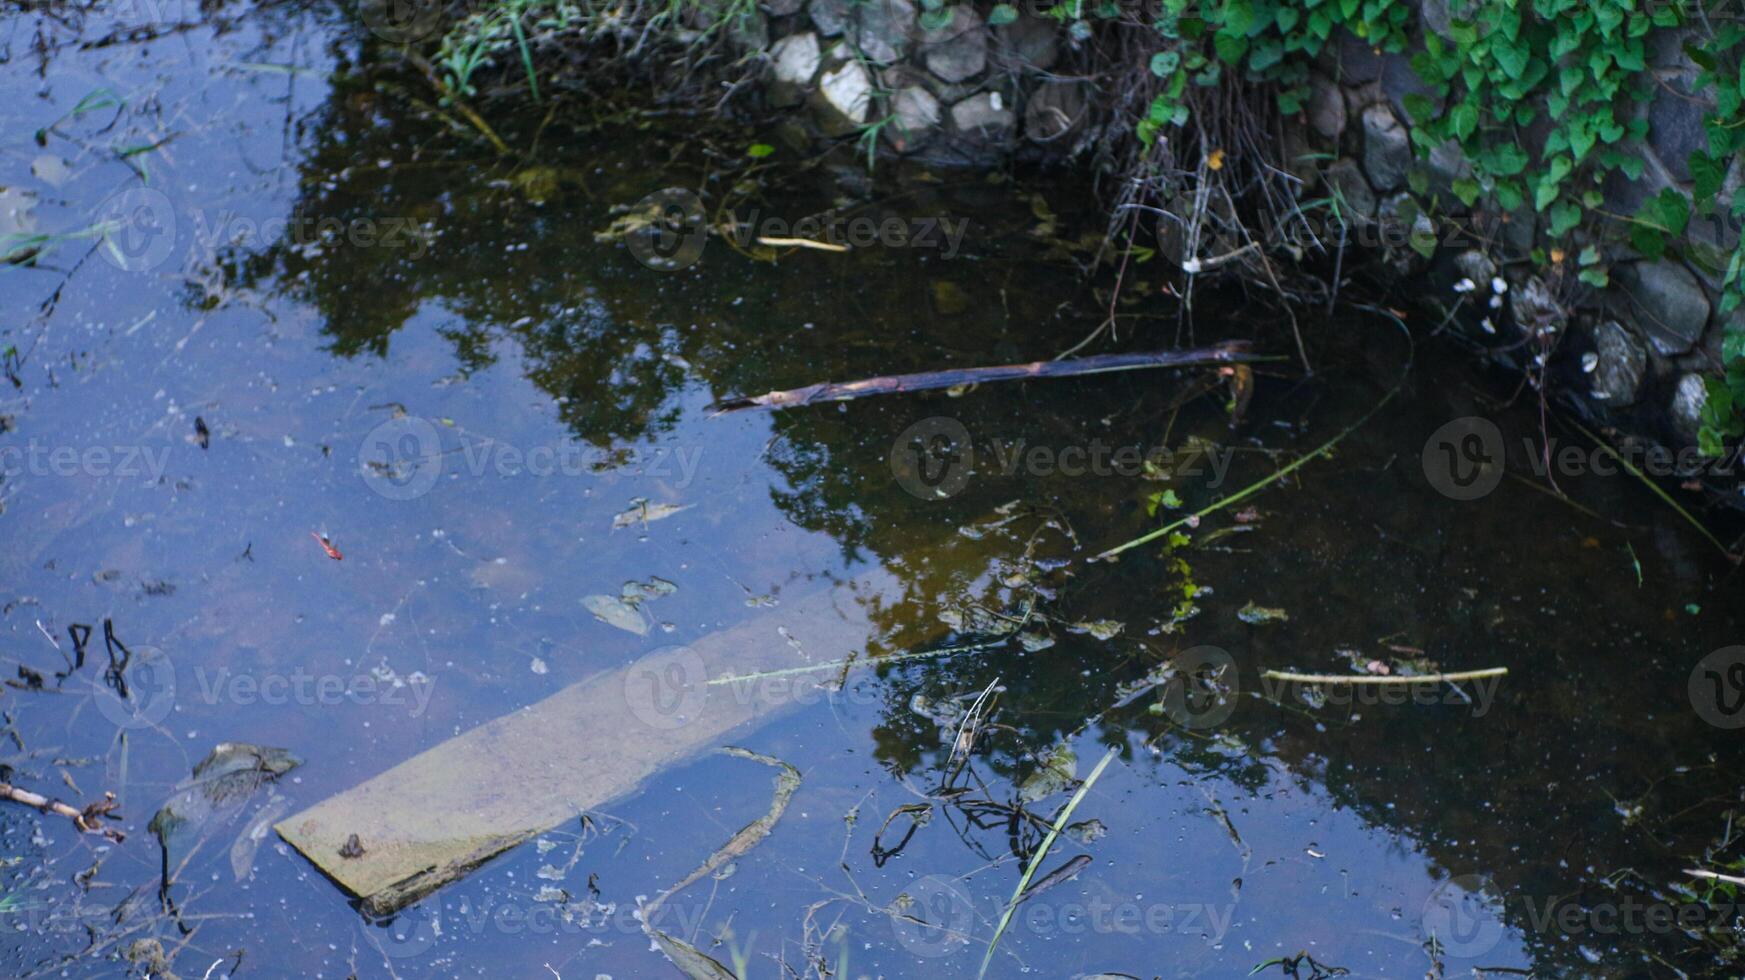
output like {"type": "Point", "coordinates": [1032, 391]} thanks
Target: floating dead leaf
{"type": "Point", "coordinates": [1258, 615]}
{"type": "Point", "coordinates": [643, 512]}
{"type": "Point", "coordinates": [614, 611]}
{"type": "Point", "coordinates": [1102, 629]}
{"type": "Point", "coordinates": [635, 592]}
{"type": "Point", "coordinates": [1059, 770]}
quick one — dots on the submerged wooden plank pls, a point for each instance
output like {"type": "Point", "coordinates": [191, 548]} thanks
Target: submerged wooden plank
{"type": "Point", "coordinates": [435, 817]}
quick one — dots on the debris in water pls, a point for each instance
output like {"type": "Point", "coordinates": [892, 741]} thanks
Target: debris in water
{"type": "Point", "coordinates": [327, 546]}
{"type": "Point", "coordinates": [691, 961]}
{"type": "Point", "coordinates": [202, 435]}
{"type": "Point", "coordinates": [87, 820]}
{"type": "Point", "coordinates": [1059, 770]}
{"type": "Point", "coordinates": [1101, 629]}
{"type": "Point", "coordinates": [436, 817]}
{"type": "Point", "coordinates": [353, 848]}
{"type": "Point", "coordinates": [614, 611]}
{"type": "Point", "coordinates": [1256, 615]}
{"type": "Point", "coordinates": [643, 512]}
{"type": "Point", "coordinates": [221, 783]}
{"type": "Point", "coordinates": [1229, 352]}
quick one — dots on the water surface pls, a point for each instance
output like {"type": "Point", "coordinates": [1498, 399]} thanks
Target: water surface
{"type": "Point", "coordinates": [326, 269]}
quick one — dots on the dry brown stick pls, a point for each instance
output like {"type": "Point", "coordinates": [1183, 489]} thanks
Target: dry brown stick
{"type": "Point", "coordinates": [1229, 352]}
{"type": "Point", "coordinates": [88, 820]}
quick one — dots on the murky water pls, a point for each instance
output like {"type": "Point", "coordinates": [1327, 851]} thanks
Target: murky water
{"type": "Point", "coordinates": [394, 339]}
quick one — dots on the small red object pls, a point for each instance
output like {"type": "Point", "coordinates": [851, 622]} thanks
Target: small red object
{"type": "Point", "coordinates": [327, 546]}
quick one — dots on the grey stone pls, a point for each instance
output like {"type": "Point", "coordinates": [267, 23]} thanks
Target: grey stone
{"type": "Point", "coordinates": [1621, 364]}
{"type": "Point", "coordinates": [1326, 106]}
{"type": "Point", "coordinates": [831, 16]}
{"type": "Point", "coordinates": [796, 58]}
{"type": "Point", "coordinates": [959, 50]}
{"type": "Point", "coordinates": [1353, 190]}
{"type": "Point", "coordinates": [916, 114]}
{"type": "Point", "coordinates": [1675, 128]}
{"type": "Point", "coordinates": [1387, 151]}
{"type": "Point", "coordinates": [1358, 62]}
{"type": "Point", "coordinates": [985, 116]}
{"type": "Point", "coordinates": [1436, 16]}
{"type": "Point", "coordinates": [1671, 305]}
{"type": "Point", "coordinates": [1055, 109]}
{"type": "Point", "coordinates": [845, 95]}
{"type": "Point", "coordinates": [782, 8]}
{"type": "Point", "coordinates": [886, 28]}
{"type": "Point", "coordinates": [1030, 41]}
{"type": "Point", "coordinates": [1688, 399]}
{"type": "Point", "coordinates": [1446, 165]}
{"type": "Point", "coordinates": [1476, 266]}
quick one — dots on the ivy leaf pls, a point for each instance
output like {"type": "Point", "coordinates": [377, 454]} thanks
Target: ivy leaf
{"type": "Point", "coordinates": [1230, 47]}
{"type": "Point", "coordinates": [1508, 160]}
{"type": "Point", "coordinates": [1267, 52]}
{"type": "Point", "coordinates": [1511, 58]}
{"type": "Point", "coordinates": [1733, 345]}
{"type": "Point", "coordinates": [1648, 241]}
{"type": "Point", "coordinates": [1565, 215]}
{"type": "Point", "coordinates": [1286, 18]}
{"type": "Point", "coordinates": [1597, 277]}
{"type": "Point", "coordinates": [1673, 209]}
{"type": "Point", "coordinates": [1419, 107]}
{"type": "Point", "coordinates": [1003, 13]}
{"type": "Point", "coordinates": [1467, 190]}
{"type": "Point", "coordinates": [1629, 57]}
{"type": "Point", "coordinates": [1509, 195]}
{"type": "Point", "coordinates": [757, 151]}
{"type": "Point", "coordinates": [1464, 119]}
{"type": "Point", "coordinates": [1165, 62]}
{"type": "Point", "coordinates": [1706, 176]}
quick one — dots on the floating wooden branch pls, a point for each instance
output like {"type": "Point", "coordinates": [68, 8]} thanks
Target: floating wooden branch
{"type": "Point", "coordinates": [1229, 352]}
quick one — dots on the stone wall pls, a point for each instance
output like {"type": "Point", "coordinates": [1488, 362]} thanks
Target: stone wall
{"type": "Point", "coordinates": [1632, 354]}
{"type": "Point", "coordinates": [960, 93]}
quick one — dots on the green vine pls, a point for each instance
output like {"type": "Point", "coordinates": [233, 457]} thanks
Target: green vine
{"type": "Point", "coordinates": [1543, 98]}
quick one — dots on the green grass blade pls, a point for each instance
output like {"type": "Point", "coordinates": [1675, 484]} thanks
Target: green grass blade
{"type": "Point", "coordinates": [1252, 488]}
{"type": "Point", "coordinates": [1037, 859]}
{"type": "Point", "coordinates": [526, 55]}
{"type": "Point", "coordinates": [1650, 484]}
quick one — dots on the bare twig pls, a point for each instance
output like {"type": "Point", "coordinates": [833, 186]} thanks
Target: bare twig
{"type": "Point", "coordinates": [88, 820]}
{"type": "Point", "coordinates": [1229, 352]}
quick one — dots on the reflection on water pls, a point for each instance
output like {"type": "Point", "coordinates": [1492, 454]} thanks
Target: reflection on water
{"type": "Point", "coordinates": [427, 355]}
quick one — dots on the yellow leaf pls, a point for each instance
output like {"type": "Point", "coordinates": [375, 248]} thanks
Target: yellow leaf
{"type": "Point", "coordinates": [1216, 160]}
